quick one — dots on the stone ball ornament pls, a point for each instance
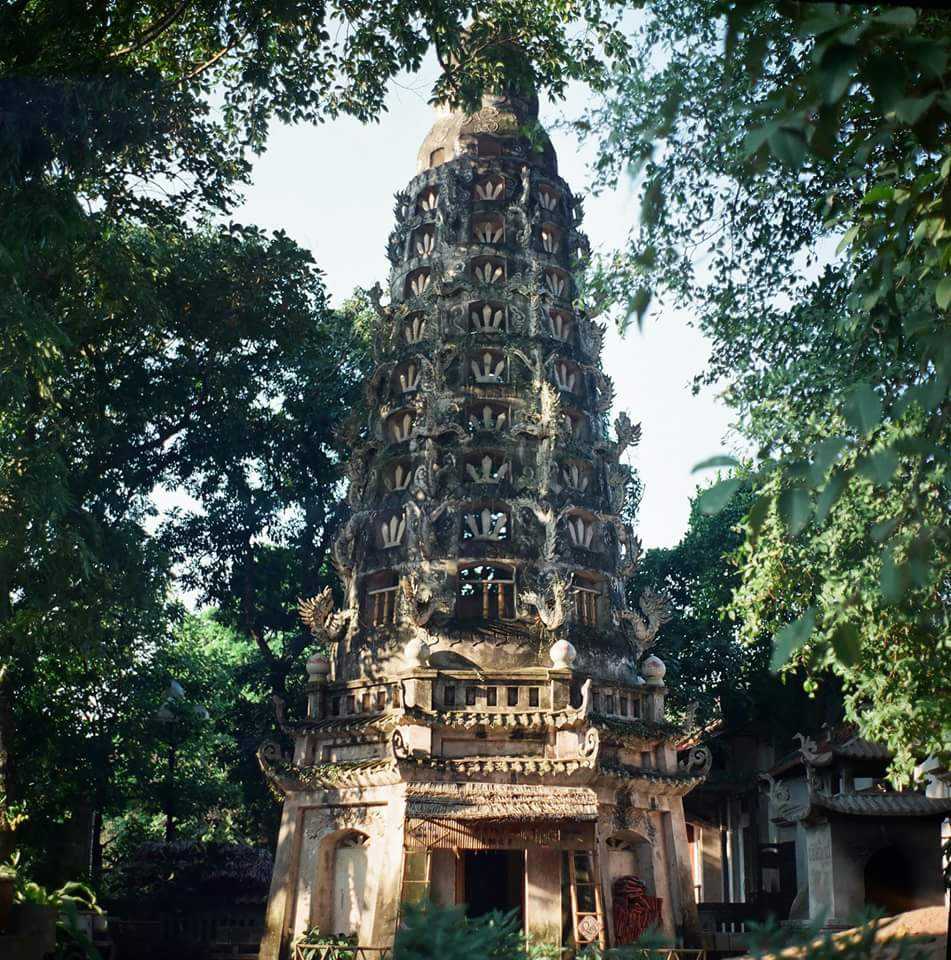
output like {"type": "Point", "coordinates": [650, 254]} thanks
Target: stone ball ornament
{"type": "Point", "coordinates": [654, 669]}
{"type": "Point", "coordinates": [317, 666]}
{"type": "Point", "coordinates": [563, 654]}
{"type": "Point", "coordinates": [416, 654]}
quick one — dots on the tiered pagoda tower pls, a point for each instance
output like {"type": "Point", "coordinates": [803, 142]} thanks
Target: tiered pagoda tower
{"type": "Point", "coordinates": [482, 729]}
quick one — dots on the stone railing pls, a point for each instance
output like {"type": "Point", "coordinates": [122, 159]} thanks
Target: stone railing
{"type": "Point", "coordinates": [340, 951]}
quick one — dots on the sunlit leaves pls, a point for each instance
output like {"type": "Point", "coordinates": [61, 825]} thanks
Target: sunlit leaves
{"type": "Point", "coordinates": [816, 126]}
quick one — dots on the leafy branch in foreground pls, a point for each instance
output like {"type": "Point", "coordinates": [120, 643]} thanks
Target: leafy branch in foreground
{"type": "Point", "coordinates": [764, 136]}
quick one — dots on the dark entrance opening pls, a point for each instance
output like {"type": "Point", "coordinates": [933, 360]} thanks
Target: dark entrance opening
{"type": "Point", "coordinates": [494, 880]}
{"type": "Point", "coordinates": [890, 882]}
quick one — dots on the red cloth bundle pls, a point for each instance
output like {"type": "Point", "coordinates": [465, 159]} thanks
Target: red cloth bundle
{"type": "Point", "coordinates": [635, 911]}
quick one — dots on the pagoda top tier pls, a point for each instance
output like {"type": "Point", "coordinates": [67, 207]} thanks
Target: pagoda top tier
{"type": "Point", "coordinates": [487, 487]}
{"type": "Point", "coordinates": [509, 119]}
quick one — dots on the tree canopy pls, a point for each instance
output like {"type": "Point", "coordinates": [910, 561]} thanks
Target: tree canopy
{"type": "Point", "coordinates": [764, 136]}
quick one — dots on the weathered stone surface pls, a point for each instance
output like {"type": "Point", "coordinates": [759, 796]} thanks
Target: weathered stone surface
{"type": "Point", "coordinates": [485, 654]}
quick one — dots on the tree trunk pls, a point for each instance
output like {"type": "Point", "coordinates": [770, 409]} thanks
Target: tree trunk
{"type": "Point", "coordinates": [7, 770]}
{"type": "Point", "coordinates": [170, 796]}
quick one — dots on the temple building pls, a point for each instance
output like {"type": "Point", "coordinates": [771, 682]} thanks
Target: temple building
{"type": "Point", "coordinates": [487, 727]}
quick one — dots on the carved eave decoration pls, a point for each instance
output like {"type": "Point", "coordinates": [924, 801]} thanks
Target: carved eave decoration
{"type": "Point", "coordinates": [286, 777]}
{"type": "Point", "coordinates": [635, 732]}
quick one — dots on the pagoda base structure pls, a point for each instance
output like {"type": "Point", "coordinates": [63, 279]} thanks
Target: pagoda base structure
{"type": "Point", "coordinates": [542, 810]}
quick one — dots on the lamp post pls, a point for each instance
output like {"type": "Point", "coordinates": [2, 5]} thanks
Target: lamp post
{"type": "Point", "coordinates": [175, 716]}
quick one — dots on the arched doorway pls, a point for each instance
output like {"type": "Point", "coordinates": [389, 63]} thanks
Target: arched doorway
{"type": "Point", "coordinates": [889, 881]}
{"type": "Point", "coordinates": [350, 881]}
{"type": "Point", "coordinates": [629, 854]}
{"type": "Point", "coordinates": [630, 873]}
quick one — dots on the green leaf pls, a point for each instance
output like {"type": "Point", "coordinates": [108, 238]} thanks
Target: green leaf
{"type": "Point", "coordinates": [830, 493]}
{"type": "Point", "coordinates": [880, 467]}
{"type": "Point", "coordinates": [757, 515]}
{"type": "Point", "coordinates": [824, 455]}
{"type": "Point", "coordinates": [893, 580]}
{"type": "Point", "coordinates": [790, 638]}
{"type": "Point", "coordinates": [795, 508]}
{"type": "Point", "coordinates": [942, 293]}
{"type": "Point", "coordinates": [881, 191]}
{"type": "Point", "coordinates": [882, 531]}
{"type": "Point", "coordinates": [721, 460]}
{"type": "Point", "coordinates": [848, 237]}
{"type": "Point", "coordinates": [755, 139]}
{"type": "Point", "coordinates": [835, 72]}
{"type": "Point", "coordinates": [715, 498]}
{"type": "Point", "coordinates": [788, 146]}
{"type": "Point", "coordinates": [920, 555]}
{"type": "Point", "coordinates": [863, 409]}
{"type": "Point", "coordinates": [903, 17]}
{"type": "Point", "coordinates": [911, 109]}
{"type": "Point", "coordinates": [846, 643]}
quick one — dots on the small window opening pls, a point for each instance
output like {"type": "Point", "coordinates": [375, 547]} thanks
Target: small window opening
{"type": "Point", "coordinates": [351, 704]}
{"type": "Point", "coordinates": [381, 597]}
{"type": "Point", "coordinates": [470, 696]}
{"type": "Point", "coordinates": [622, 705]}
{"type": "Point", "coordinates": [491, 697]}
{"type": "Point", "coordinates": [335, 707]}
{"type": "Point", "coordinates": [449, 696]}
{"type": "Point", "coordinates": [533, 696]}
{"type": "Point", "coordinates": [486, 593]}
{"type": "Point", "coordinates": [511, 694]}
{"type": "Point", "coordinates": [586, 602]}
{"type": "Point", "coordinates": [437, 156]}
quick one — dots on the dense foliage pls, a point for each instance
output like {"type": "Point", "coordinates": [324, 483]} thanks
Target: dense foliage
{"type": "Point", "coordinates": [715, 678]}
{"type": "Point", "coordinates": [764, 135]}
{"type": "Point", "coordinates": [172, 384]}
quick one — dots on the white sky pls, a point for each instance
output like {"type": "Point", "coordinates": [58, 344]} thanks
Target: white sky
{"type": "Point", "coordinates": [331, 188]}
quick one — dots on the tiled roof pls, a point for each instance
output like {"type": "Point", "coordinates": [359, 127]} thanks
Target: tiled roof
{"type": "Point", "coordinates": [870, 805]}
{"type": "Point", "coordinates": [860, 749]}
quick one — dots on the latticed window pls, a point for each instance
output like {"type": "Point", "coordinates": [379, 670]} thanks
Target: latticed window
{"type": "Point", "coordinates": [486, 593]}
{"type": "Point", "coordinates": [587, 595]}
{"type": "Point", "coordinates": [381, 596]}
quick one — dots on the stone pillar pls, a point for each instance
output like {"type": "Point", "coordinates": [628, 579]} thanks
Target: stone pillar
{"type": "Point", "coordinates": [663, 884]}
{"type": "Point", "coordinates": [318, 668]}
{"type": "Point", "coordinates": [604, 874]}
{"type": "Point", "coordinates": [281, 897]}
{"type": "Point", "coordinates": [390, 869]}
{"type": "Point", "coordinates": [418, 689]}
{"type": "Point", "coordinates": [560, 689]}
{"type": "Point", "coordinates": [681, 873]}
{"type": "Point", "coordinates": [303, 910]}
{"type": "Point", "coordinates": [543, 895]}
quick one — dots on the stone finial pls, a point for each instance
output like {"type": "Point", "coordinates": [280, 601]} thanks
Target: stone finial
{"type": "Point", "coordinates": [563, 654]}
{"type": "Point", "coordinates": [416, 654]}
{"type": "Point", "coordinates": [654, 669]}
{"type": "Point", "coordinates": [317, 666]}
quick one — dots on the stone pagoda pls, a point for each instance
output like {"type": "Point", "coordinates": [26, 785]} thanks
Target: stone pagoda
{"type": "Point", "coordinates": [483, 729]}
